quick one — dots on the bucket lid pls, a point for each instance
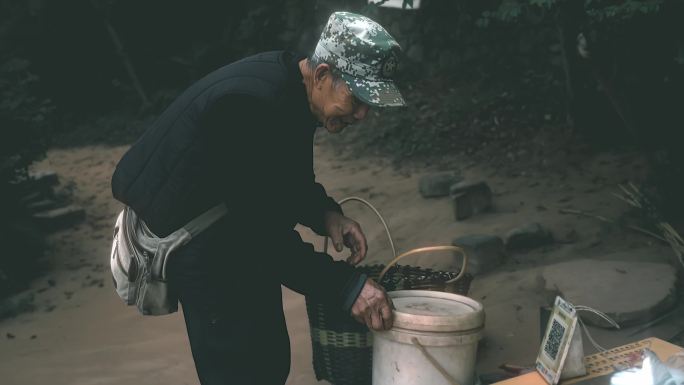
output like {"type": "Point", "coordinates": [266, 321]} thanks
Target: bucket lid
{"type": "Point", "coordinates": [435, 311]}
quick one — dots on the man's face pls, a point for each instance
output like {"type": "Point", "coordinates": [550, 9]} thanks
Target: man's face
{"type": "Point", "coordinates": [336, 107]}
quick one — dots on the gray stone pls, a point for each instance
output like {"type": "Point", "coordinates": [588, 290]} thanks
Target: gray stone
{"type": "Point", "coordinates": [33, 196]}
{"type": "Point", "coordinates": [60, 217]}
{"type": "Point", "coordinates": [485, 252]}
{"type": "Point", "coordinates": [628, 292]}
{"type": "Point", "coordinates": [470, 199]}
{"type": "Point", "coordinates": [437, 185]}
{"type": "Point", "coordinates": [529, 236]}
{"type": "Point", "coordinates": [41, 205]}
{"type": "Point", "coordinates": [464, 186]}
{"type": "Point", "coordinates": [44, 178]}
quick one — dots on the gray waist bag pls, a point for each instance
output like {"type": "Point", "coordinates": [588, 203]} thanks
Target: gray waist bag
{"type": "Point", "coordinates": [139, 259]}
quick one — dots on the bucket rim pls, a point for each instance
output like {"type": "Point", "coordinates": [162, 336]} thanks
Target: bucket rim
{"type": "Point", "coordinates": [439, 323]}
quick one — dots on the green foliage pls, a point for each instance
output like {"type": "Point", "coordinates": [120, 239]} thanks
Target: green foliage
{"type": "Point", "coordinates": [25, 118]}
{"type": "Point", "coordinates": [602, 10]}
{"type": "Point", "coordinates": [597, 10]}
{"type": "Point", "coordinates": [25, 121]}
{"type": "Point", "coordinates": [25, 115]}
{"type": "Point", "coordinates": [23, 245]}
{"type": "Point", "coordinates": [513, 10]}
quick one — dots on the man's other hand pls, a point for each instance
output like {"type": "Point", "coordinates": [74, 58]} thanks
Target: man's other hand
{"type": "Point", "coordinates": [373, 307]}
{"type": "Point", "coordinates": [346, 232]}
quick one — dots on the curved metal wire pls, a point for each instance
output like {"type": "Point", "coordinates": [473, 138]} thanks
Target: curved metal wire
{"type": "Point", "coordinates": [384, 224]}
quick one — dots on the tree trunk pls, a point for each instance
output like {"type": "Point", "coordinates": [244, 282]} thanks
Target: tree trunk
{"type": "Point", "coordinates": [125, 59]}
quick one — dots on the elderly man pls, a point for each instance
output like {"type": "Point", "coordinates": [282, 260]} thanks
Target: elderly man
{"type": "Point", "coordinates": [243, 135]}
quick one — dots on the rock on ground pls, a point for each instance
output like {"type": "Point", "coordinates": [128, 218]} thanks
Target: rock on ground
{"type": "Point", "coordinates": [485, 252]}
{"type": "Point", "coordinates": [470, 199]}
{"type": "Point", "coordinates": [629, 292]}
{"type": "Point", "coordinates": [527, 237]}
{"type": "Point", "coordinates": [44, 178]}
{"type": "Point", "coordinates": [60, 217]}
{"type": "Point", "coordinates": [437, 185]}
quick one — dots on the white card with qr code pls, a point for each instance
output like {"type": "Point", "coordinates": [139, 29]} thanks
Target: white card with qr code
{"type": "Point", "coordinates": [556, 341]}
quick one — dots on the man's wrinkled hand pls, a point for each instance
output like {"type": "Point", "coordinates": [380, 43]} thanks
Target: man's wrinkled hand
{"type": "Point", "coordinates": [346, 232]}
{"type": "Point", "coordinates": [373, 307]}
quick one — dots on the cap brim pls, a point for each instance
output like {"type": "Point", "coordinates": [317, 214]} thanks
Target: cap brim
{"type": "Point", "coordinates": [375, 93]}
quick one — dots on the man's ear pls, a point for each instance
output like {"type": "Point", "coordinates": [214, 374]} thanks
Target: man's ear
{"type": "Point", "coordinates": [320, 73]}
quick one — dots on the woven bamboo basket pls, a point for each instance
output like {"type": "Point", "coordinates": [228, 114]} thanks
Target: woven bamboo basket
{"type": "Point", "coordinates": [342, 347]}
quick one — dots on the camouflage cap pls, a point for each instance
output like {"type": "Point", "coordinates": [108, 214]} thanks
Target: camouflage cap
{"type": "Point", "coordinates": [365, 54]}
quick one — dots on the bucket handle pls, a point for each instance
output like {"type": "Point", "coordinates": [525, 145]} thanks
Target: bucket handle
{"type": "Point", "coordinates": [427, 249]}
{"type": "Point", "coordinates": [434, 362]}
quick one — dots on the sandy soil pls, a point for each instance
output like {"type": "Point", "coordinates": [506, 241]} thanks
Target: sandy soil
{"type": "Point", "coordinates": [81, 333]}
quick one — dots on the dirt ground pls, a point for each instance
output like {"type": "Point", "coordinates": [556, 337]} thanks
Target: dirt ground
{"type": "Point", "coordinates": [81, 333]}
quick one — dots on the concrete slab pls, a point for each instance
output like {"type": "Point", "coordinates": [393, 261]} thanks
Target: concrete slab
{"type": "Point", "coordinates": [629, 292]}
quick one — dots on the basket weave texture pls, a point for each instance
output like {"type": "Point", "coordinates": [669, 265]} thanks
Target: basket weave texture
{"type": "Point", "coordinates": [343, 347]}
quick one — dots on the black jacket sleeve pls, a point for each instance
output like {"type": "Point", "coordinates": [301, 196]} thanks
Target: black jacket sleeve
{"type": "Point", "coordinates": [316, 275]}
{"type": "Point", "coordinates": [320, 203]}
{"type": "Point", "coordinates": [250, 158]}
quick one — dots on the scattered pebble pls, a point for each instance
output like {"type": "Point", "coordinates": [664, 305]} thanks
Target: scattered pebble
{"type": "Point", "coordinates": [94, 282]}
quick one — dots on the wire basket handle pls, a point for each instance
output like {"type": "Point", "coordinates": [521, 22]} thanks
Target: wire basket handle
{"type": "Point", "coordinates": [410, 252]}
{"type": "Point", "coordinates": [384, 224]}
{"type": "Point", "coordinates": [424, 250]}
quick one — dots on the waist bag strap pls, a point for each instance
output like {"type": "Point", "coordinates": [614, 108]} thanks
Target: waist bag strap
{"type": "Point", "coordinates": [201, 223]}
{"type": "Point", "coordinates": [162, 247]}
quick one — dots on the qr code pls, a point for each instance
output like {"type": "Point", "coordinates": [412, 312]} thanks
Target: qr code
{"type": "Point", "coordinates": [554, 339]}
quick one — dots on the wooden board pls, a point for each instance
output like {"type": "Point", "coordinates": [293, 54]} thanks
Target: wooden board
{"type": "Point", "coordinates": [601, 364]}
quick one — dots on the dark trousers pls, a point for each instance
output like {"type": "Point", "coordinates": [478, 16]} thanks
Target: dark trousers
{"type": "Point", "coordinates": [232, 304]}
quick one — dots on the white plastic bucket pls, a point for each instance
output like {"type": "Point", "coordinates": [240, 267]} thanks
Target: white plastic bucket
{"type": "Point", "coordinates": [433, 340]}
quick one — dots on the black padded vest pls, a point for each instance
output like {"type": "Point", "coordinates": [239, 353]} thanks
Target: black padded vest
{"type": "Point", "coordinates": [164, 177]}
